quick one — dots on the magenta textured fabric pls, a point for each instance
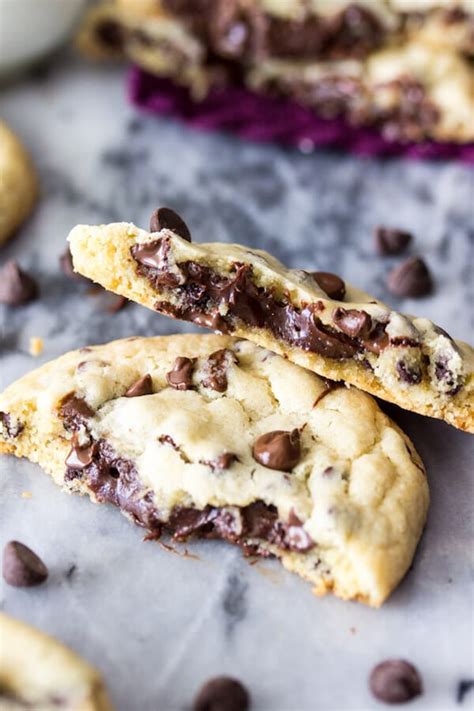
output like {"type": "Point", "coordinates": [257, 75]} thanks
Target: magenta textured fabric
{"type": "Point", "coordinates": [261, 118]}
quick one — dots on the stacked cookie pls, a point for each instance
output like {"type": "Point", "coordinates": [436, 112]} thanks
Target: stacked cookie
{"type": "Point", "coordinates": [401, 66]}
{"type": "Point", "coordinates": [263, 435]}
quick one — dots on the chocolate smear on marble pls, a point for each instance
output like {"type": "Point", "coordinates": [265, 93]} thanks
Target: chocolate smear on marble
{"type": "Point", "coordinates": [391, 241]}
{"type": "Point", "coordinates": [410, 278]}
{"type": "Point", "coordinates": [222, 694]}
{"type": "Point", "coordinates": [166, 219]}
{"type": "Point", "coordinates": [22, 567]}
{"type": "Point", "coordinates": [17, 287]}
{"type": "Point", "coordinates": [181, 375]}
{"type": "Point", "coordinates": [278, 450]}
{"type": "Point", "coordinates": [331, 284]}
{"type": "Point", "coordinates": [143, 386]}
{"type": "Point", "coordinates": [395, 681]}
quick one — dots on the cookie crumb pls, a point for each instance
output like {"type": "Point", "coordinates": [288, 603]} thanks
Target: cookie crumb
{"type": "Point", "coordinates": [26, 494]}
{"type": "Point", "coordinates": [36, 346]}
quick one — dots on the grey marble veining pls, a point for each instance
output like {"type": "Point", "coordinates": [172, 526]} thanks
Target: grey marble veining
{"type": "Point", "coordinates": [158, 624]}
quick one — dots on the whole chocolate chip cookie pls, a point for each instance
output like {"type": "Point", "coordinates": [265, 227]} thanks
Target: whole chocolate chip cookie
{"type": "Point", "coordinates": [313, 318]}
{"type": "Point", "coordinates": [38, 672]}
{"type": "Point", "coordinates": [18, 183]}
{"type": "Point", "coordinates": [210, 436]}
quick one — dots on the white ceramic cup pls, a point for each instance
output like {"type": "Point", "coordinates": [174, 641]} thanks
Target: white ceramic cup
{"type": "Point", "coordinates": [31, 29]}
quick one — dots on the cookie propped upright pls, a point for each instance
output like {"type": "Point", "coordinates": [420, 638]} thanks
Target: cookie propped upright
{"type": "Point", "coordinates": [204, 435]}
{"type": "Point", "coordinates": [312, 318]}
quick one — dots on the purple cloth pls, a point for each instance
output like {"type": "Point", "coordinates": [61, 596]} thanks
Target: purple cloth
{"type": "Point", "coordinates": [261, 118]}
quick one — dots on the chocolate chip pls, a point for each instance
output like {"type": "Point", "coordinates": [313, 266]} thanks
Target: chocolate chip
{"type": "Point", "coordinates": [216, 367]}
{"type": "Point", "coordinates": [79, 456]}
{"type": "Point", "coordinates": [391, 241]}
{"type": "Point", "coordinates": [16, 286]}
{"type": "Point", "coordinates": [181, 376]}
{"type": "Point", "coordinates": [278, 450]}
{"type": "Point", "coordinates": [408, 374]}
{"type": "Point", "coordinates": [395, 681]}
{"type": "Point", "coordinates": [111, 34]}
{"type": "Point", "coordinates": [297, 539]}
{"type": "Point", "coordinates": [410, 278]}
{"type": "Point", "coordinates": [223, 461]}
{"type": "Point", "coordinates": [74, 411]}
{"type": "Point", "coordinates": [222, 694]}
{"type": "Point", "coordinates": [352, 322]}
{"type": "Point", "coordinates": [166, 219]}
{"type": "Point", "coordinates": [21, 567]}
{"type": "Point", "coordinates": [151, 254]}
{"type": "Point", "coordinates": [464, 686]}
{"type": "Point", "coordinates": [331, 284]}
{"type": "Point", "coordinates": [12, 427]}
{"type": "Point", "coordinates": [143, 386]}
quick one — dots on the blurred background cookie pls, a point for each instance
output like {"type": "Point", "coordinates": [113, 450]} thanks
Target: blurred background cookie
{"type": "Point", "coordinates": [18, 183]}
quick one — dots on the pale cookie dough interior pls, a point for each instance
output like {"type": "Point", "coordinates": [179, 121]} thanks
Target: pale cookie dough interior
{"type": "Point", "coordinates": [406, 360]}
{"type": "Point", "coordinates": [18, 183]}
{"type": "Point", "coordinates": [170, 429]}
{"type": "Point", "coordinates": [38, 672]}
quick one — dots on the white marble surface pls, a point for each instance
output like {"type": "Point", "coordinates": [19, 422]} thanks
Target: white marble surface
{"type": "Point", "coordinates": [157, 624]}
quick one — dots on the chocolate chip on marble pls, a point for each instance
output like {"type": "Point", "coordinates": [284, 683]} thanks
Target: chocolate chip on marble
{"type": "Point", "coordinates": [352, 322]}
{"type": "Point", "coordinates": [143, 386]}
{"type": "Point", "coordinates": [222, 694]}
{"type": "Point", "coordinates": [16, 286]}
{"type": "Point", "coordinates": [79, 457]}
{"type": "Point", "coordinates": [389, 240]}
{"type": "Point", "coordinates": [278, 450]}
{"type": "Point", "coordinates": [331, 284]}
{"type": "Point", "coordinates": [395, 681]}
{"type": "Point", "coordinates": [21, 567]}
{"type": "Point", "coordinates": [166, 219]}
{"type": "Point", "coordinates": [410, 374]}
{"type": "Point", "coordinates": [464, 686]}
{"type": "Point", "coordinates": [410, 278]}
{"type": "Point", "coordinates": [181, 376]}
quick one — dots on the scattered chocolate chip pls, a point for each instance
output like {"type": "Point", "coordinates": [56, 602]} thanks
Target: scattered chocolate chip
{"type": "Point", "coordinates": [79, 457]}
{"type": "Point", "coordinates": [389, 240]}
{"type": "Point", "coordinates": [464, 686]}
{"type": "Point", "coordinates": [12, 427]}
{"type": "Point", "coordinates": [74, 411]}
{"type": "Point", "coordinates": [222, 694]}
{"type": "Point", "coordinates": [67, 267]}
{"type": "Point", "coordinates": [408, 374]}
{"type": "Point", "coordinates": [21, 567]}
{"type": "Point", "coordinates": [278, 450]}
{"type": "Point", "coordinates": [331, 284]}
{"type": "Point", "coordinates": [410, 278]}
{"type": "Point", "coordinates": [166, 219]}
{"type": "Point", "coordinates": [352, 322]}
{"type": "Point", "coordinates": [216, 368]}
{"type": "Point", "coordinates": [395, 681]}
{"type": "Point", "coordinates": [143, 386]}
{"type": "Point", "coordinates": [16, 286]}
{"type": "Point", "coordinates": [181, 376]}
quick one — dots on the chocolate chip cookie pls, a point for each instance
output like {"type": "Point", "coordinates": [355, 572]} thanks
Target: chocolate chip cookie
{"type": "Point", "coordinates": [18, 183]}
{"type": "Point", "coordinates": [313, 318]}
{"type": "Point", "coordinates": [210, 436]}
{"type": "Point", "coordinates": [38, 672]}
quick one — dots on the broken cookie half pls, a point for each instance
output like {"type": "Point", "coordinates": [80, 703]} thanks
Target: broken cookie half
{"type": "Point", "coordinates": [313, 318]}
{"type": "Point", "coordinates": [209, 436]}
{"type": "Point", "coordinates": [38, 672]}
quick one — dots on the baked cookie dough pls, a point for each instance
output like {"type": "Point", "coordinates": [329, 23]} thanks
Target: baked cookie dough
{"type": "Point", "coordinates": [18, 183]}
{"type": "Point", "coordinates": [38, 672]}
{"type": "Point", "coordinates": [210, 436]}
{"type": "Point", "coordinates": [315, 320]}
{"type": "Point", "coordinates": [401, 67]}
